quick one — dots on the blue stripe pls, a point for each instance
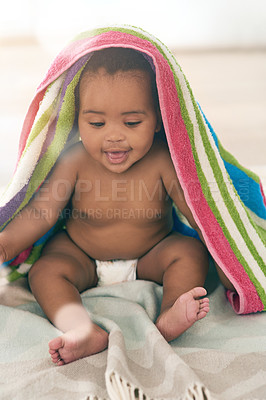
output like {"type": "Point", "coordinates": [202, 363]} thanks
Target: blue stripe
{"type": "Point", "coordinates": [182, 228]}
{"type": "Point", "coordinates": [247, 189]}
{"type": "Point", "coordinates": [6, 264]}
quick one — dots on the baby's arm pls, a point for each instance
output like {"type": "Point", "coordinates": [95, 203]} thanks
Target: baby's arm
{"type": "Point", "coordinates": [175, 191]}
{"type": "Point", "coordinates": [42, 211]}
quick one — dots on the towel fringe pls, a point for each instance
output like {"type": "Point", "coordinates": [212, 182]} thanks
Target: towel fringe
{"type": "Point", "coordinates": [92, 397]}
{"type": "Point", "coordinates": [119, 389]}
{"type": "Point", "coordinates": [198, 392]}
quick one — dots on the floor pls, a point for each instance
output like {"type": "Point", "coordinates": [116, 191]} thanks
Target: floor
{"type": "Point", "coordinates": [229, 85]}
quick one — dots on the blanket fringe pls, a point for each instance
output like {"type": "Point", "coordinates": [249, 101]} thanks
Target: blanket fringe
{"type": "Point", "coordinates": [119, 389]}
{"type": "Point", "coordinates": [94, 398]}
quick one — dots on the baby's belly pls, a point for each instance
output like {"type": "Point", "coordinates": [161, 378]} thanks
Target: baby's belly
{"type": "Point", "coordinates": [116, 240]}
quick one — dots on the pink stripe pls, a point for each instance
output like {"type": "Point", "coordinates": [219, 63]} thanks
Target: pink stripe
{"type": "Point", "coordinates": [183, 160]}
{"type": "Point", "coordinates": [22, 257]}
{"type": "Point", "coordinates": [28, 122]}
{"type": "Point", "coordinates": [179, 144]}
{"type": "Point", "coordinates": [262, 193]}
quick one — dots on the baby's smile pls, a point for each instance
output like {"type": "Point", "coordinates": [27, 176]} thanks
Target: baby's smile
{"type": "Point", "coordinates": [117, 130]}
{"type": "Point", "coordinates": [116, 157]}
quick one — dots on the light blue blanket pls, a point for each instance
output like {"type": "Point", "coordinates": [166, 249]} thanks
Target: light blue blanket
{"type": "Point", "coordinates": [221, 357]}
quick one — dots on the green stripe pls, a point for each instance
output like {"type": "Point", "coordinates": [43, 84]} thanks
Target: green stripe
{"type": "Point", "coordinates": [63, 128]}
{"type": "Point", "coordinates": [35, 254]}
{"type": "Point", "coordinates": [209, 151]}
{"type": "Point", "coordinates": [216, 169]}
{"type": "Point", "coordinates": [228, 157]}
{"type": "Point", "coordinates": [224, 191]}
{"type": "Point", "coordinates": [140, 35]}
{"type": "Point", "coordinates": [228, 201]}
{"type": "Point", "coordinates": [99, 31]}
{"type": "Point", "coordinates": [203, 181]}
{"type": "Point", "coordinates": [14, 275]}
{"type": "Point", "coordinates": [234, 214]}
{"type": "Point", "coordinates": [37, 128]}
{"type": "Point", "coordinates": [216, 212]}
{"type": "Point", "coordinates": [262, 233]}
{"type": "Point", "coordinates": [201, 176]}
{"type": "Point", "coordinates": [42, 122]}
{"type": "Point", "coordinates": [225, 194]}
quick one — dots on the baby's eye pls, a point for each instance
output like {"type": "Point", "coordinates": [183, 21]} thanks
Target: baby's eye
{"type": "Point", "coordinates": [97, 124]}
{"type": "Point", "coordinates": [132, 123]}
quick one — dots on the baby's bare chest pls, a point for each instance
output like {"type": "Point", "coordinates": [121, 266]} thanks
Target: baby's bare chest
{"type": "Point", "coordinates": [135, 198]}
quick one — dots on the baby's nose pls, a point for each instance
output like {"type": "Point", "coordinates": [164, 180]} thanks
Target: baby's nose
{"type": "Point", "coordinates": [115, 135]}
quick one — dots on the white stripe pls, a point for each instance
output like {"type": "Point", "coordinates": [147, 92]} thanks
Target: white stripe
{"type": "Point", "coordinates": [50, 95]}
{"type": "Point", "coordinates": [249, 227]}
{"type": "Point", "coordinates": [259, 221]}
{"type": "Point", "coordinates": [260, 246]}
{"type": "Point", "coordinates": [233, 229]}
{"type": "Point", "coordinates": [230, 223]}
{"type": "Point", "coordinates": [23, 268]}
{"type": "Point", "coordinates": [25, 168]}
{"type": "Point", "coordinates": [252, 232]}
{"type": "Point", "coordinates": [31, 154]}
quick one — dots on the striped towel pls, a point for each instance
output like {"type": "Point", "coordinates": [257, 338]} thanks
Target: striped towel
{"type": "Point", "coordinates": [226, 200]}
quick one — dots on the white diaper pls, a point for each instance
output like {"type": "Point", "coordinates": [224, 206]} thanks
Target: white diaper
{"type": "Point", "coordinates": [116, 271]}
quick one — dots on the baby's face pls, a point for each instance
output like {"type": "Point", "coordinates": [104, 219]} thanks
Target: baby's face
{"type": "Point", "coordinates": [117, 117]}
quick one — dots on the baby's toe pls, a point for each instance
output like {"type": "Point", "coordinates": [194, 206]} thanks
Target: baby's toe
{"type": "Point", "coordinates": [198, 292]}
{"type": "Point", "coordinates": [60, 362]}
{"type": "Point", "coordinates": [201, 314]}
{"type": "Point", "coordinates": [204, 307]}
{"type": "Point", "coordinates": [52, 351]}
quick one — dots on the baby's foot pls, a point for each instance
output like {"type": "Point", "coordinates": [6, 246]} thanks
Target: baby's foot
{"type": "Point", "coordinates": [78, 343]}
{"type": "Point", "coordinates": [186, 310]}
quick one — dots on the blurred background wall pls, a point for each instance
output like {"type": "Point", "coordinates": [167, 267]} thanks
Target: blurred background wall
{"type": "Point", "coordinates": [220, 45]}
{"type": "Point", "coordinates": [180, 23]}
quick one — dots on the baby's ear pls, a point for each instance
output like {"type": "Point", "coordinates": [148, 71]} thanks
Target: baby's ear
{"type": "Point", "coordinates": [159, 121]}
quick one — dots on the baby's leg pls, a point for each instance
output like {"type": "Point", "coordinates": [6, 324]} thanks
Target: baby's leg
{"type": "Point", "coordinates": [181, 264]}
{"type": "Point", "coordinates": [56, 279]}
{"type": "Point", "coordinates": [223, 278]}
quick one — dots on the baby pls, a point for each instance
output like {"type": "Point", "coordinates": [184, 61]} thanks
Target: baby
{"type": "Point", "coordinates": [120, 183]}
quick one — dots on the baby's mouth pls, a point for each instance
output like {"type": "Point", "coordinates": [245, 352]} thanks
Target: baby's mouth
{"type": "Point", "coordinates": [116, 157]}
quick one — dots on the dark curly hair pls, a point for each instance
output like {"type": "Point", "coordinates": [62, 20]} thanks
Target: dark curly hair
{"type": "Point", "coordinates": [115, 59]}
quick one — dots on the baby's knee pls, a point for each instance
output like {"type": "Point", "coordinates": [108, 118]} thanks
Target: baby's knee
{"type": "Point", "coordinates": [179, 248]}
{"type": "Point", "coordinates": [39, 272]}
{"type": "Point", "coordinates": [195, 248]}
{"type": "Point", "coordinates": [186, 246]}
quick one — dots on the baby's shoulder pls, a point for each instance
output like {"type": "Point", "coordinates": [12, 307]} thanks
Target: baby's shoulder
{"type": "Point", "coordinates": [160, 151]}
{"type": "Point", "coordinates": [73, 154]}
{"type": "Point", "coordinates": [161, 159]}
